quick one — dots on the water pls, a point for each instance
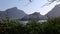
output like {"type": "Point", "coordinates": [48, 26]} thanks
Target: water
{"type": "Point", "coordinates": [24, 22]}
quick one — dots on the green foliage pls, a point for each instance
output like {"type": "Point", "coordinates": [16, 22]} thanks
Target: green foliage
{"type": "Point", "coordinates": [51, 26]}
{"type": "Point", "coordinates": [33, 27]}
{"type": "Point", "coordinates": [10, 27]}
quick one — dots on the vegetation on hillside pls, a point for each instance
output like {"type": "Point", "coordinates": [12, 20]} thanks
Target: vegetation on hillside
{"type": "Point", "coordinates": [51, 26]}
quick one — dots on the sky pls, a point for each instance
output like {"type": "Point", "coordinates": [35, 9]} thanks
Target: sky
{"type": "Point", "coordinates": [26, 6]}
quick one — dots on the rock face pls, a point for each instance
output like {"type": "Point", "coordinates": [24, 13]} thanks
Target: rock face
{"type": "Point", "coordinates": [55, 12]}
{"type": "Point", "coordinates": [13, 13]}
{"type": "Point", "coordinates": [35, 15]}
{"type": "Point", "coordinates": [2, 14]}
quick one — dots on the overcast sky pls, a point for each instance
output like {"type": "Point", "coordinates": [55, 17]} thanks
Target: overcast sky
{"type": "Point", "coordinates": [27, 7]}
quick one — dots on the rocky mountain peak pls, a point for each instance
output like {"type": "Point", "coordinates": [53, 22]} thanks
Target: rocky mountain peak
{"type": "Point", "coordinates": [55, 12]}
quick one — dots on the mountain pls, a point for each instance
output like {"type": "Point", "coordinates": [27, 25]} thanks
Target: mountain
{"type": "Point", "coordinates": [35, 15]}
{"type": "Point", "coordinates": [2, 14]}
{"type": "Point", "coordinates": [13, 13]}
{"type": "Point", "coordinates": [55, 12]}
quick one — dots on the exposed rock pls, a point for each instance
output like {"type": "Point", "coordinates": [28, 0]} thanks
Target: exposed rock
{"type": "Point", "coordinates": [35, 15]}
{"type": "Point", "coordinates": [13, 13]}
{"type": "Point", "coordinates": [55, 12]}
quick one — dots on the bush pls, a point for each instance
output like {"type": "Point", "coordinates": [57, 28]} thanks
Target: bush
{"type": "Point", "coordinates": [33, 27]}
{"type": "Point", "coordinates": [51, 26]}
{"type": "Point", "coordinates": [10, 27]}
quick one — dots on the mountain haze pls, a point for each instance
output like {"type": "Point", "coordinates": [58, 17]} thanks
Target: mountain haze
{"type": "Point", "coordinates": [13, 13]}
{"type": "Point", "coordinates": [34, 15]}
{"type": "Point", "coordinates": [55, 12]}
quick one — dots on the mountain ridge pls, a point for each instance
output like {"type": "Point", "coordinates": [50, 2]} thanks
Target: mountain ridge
{"type": "Point", "coordinates": [34, 15]}
{"type": "Point", "coordinates": [55, 12]}
{"type": "Point", "coordinates": [15, 13]}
